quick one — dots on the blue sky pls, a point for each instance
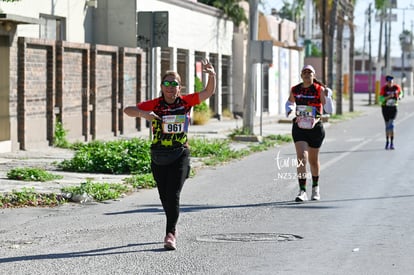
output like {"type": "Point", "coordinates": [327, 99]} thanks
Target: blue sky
{"type": "Point", "coordinates": [360, 19]}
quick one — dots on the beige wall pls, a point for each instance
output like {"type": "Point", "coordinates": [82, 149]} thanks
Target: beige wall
{"type": "Point", "coordinates": [4, 94]}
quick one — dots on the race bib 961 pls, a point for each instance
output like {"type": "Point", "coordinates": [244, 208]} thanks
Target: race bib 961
{"type": "Point", "coordinates": [173, 124]}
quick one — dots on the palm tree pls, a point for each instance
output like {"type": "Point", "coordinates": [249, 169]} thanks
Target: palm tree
{"type": "Point", "coordinates": [329, 21]}
{"type": "Point", "coordinates": [327, 25]}
{"type": "Point", "coordinates": [230, 8]}
{"type": "Point", "coordinates": [292, 12]}
{"type": "Point", "coordinates": [380, 6]}
{"type": "Point", "coordinates": [406, 42]}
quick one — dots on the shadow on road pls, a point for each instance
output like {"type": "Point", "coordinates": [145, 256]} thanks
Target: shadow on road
{"type": "Point", "coordinates": [152, 208]}
{"type": "Point", "coordinates": [87, 253]}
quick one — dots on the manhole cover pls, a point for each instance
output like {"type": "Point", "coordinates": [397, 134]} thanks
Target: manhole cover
{"type": "Point", "coordinates": [249, 237]}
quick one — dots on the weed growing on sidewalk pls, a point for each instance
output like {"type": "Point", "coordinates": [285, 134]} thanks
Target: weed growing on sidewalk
{"type": "Point", "coordinates": [29, 197]}
{"type": "Point", "coordinates": [111, 157]}
{"type": "Point", "coordinates": [59, 138]}
{"type": "Point", "coordinates": [98, 191]}
{"type": "Point", "coordinates": [141, 181]}
{"type": "Point", "coordinates": [31, 174]}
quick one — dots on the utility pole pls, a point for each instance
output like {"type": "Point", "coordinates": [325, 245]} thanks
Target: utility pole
{"type": "Point", "coordinates": [324, 34]}
{"type": "Point", "coordinates": [350, 12]}
{"type": "Point", "coordinates": [403, 53]}
{"type": "Point", "coordinates": [250, 84]}
{"type": "Point", "coordinates": [308, 22]}
{"type": "Point", "coordinates": [339, 52]}
{"type": "Point", "coordinates": [369, 56]}
{"type": "Point", "coordinates": [379, 63]}
{"type": "Point", "coordinates": [331, 32]}
{"type": "Point", "coordinates": [388, 57]}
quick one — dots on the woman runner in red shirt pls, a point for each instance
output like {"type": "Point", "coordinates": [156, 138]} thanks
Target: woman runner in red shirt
{"type": "Point", "coordinates": [170, 156]}
{"type": "Point", "coordinates": [307, 99]}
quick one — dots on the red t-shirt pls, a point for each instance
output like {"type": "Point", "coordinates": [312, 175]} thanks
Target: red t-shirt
{"type": "Point", "coordinates": [171, 130]}
{"type": "Point", "coordinates": [309, 96]}
{"type": "Point", "coordinates": [394, 91]}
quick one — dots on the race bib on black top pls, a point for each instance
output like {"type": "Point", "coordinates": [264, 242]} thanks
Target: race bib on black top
{"type": "Point", "coordinates": [173, 124]}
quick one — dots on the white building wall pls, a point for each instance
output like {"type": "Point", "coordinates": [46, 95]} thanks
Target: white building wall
{"type": "Point", "coordinates": [75, 12]}
{"type": "Point", "coordinates": [284, 77]}
{"type": "Point", "coordinates": [189, 29]}
{"type": "Point", "coordinates": [297, 64]}
{"type": "Point", "coordinates": [274, 83]}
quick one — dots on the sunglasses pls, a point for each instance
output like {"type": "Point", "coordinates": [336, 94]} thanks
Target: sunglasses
{"type": "Point", "coordinates": [167, 83]}
{"type": "Point", "coordinates": [307, 71]}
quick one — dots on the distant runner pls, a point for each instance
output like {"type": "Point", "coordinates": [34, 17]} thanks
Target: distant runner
{"type": "Point", "coordinates": [389, 96]}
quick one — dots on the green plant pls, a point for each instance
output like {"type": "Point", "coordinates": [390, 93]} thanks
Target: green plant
{"type": "Point", "coordinates": [201, 108]}
{"type": "Point", "coordinates": [239, 132]}
{"type": "Point", "coordinates": [198, 84]}
{"type": "Point", "coordinates": [202, 112]}
{"type": "Point", "coordinates": [141, 181]}
{"type": "Point", "coordinates": [132, 155]}
{"type": "Point", "coordinates": [269, 142]}
{"type": "Point", "coordinates": [98, 191]}
{"type": "Point", "coordinates": [59, 139]}
{"type": "Point", "coordinates": [231, 8]}
{"type": "Point", "coordinates": [31, 174]}
{"type": "Point", "coordinates": [315, 51]}
{"type": "Point", "coordinates": [345, 116]}
{"type": "Point", "coordinates": [29, 197]}
{"type": "Point", "coordinates": [113, 157]}
{"type": "Point", "coordinates": [214, 151]}
{"type": "Point", "coordinates": [280, 138]}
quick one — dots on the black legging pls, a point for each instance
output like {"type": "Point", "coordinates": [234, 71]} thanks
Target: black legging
{"type": "Point", "coordinates": [389, 114]}
{"type": "Point", "coordinates": [170, 180]}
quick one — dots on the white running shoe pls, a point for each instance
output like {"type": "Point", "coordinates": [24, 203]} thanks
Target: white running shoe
{"type": "Point", "coordinates": [315, 193]}
{"type": "Point", "coordinates": [170, 242]}
{"type": "Point", "coordinates": [301, 196]}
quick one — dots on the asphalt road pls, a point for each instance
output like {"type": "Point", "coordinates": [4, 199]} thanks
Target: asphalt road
{"type": "Point", "coordinates": [240, 218]}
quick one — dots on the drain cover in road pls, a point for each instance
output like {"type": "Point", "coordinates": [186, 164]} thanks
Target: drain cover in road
{"type": "Point", "coordinates": [249, 237]}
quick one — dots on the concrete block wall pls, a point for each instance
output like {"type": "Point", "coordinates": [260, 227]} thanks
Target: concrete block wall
{"type": "Point", "coordinates": [84, 86]}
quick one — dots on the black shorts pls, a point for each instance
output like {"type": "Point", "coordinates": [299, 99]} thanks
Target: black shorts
{"type": "Point", "coordinates": [314, 137]}
{"type": "Point", "coordinates": [389, 112]}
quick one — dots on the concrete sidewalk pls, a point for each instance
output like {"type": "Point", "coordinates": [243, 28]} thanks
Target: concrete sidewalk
{"type": "Point", "coordinates": [47, 157]}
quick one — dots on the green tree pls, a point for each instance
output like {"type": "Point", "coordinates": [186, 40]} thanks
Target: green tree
{"type": "Point", "coordinates": [292, 11]}
{"type": "Point", "coordinates": [315, 51]}
{"type": "Point", "coordinates": [230, 8]}
{"type": "Point", "coordinates": [406, 41]}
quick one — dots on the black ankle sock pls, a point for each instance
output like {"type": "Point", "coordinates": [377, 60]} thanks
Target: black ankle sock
{"type": "Point", "coordinates": [302, 184]}
{"type": "Point", "coordinates": [315, 180]}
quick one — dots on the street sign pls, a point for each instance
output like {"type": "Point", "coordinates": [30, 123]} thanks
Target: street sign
{"type": "Point", "coordinates": [152, 30]}
{"type": "Point", "coordinates": [261, 51]}
{"type": "Point", "coordinates": [144, 29]}
{"type": "Point", "coordinates": [160, 29]}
